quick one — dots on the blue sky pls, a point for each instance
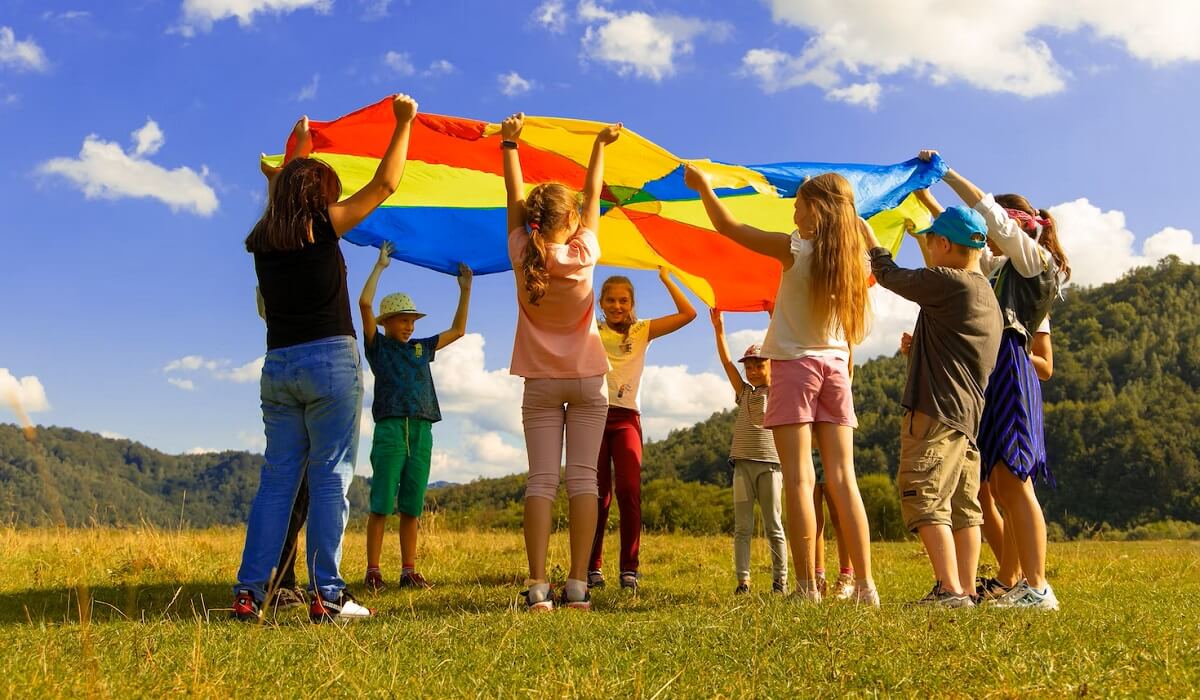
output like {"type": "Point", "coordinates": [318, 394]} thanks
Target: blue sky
{"type": "Point", "coordinates": [119, 264]}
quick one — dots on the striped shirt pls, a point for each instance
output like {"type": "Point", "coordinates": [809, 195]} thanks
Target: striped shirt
{"type": "Point", "coordinates": [750, 439]}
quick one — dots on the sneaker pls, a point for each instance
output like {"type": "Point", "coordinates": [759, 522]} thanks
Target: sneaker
{"type": "Point", "coordinates": [344, 609]}
{"type": "Point", "coordinates": [808, 593]}
{"type": "Point", "coordinates": [374, 581]}
{"type": "Point", "coordinates": [990, 589]}
{"type": "Point", "coordinates": [246, 608]}
{"type": "Point", "coordinates": [867, 596]}
{"type": "Point", "coordinates": [937, 598]}
{"type": "Point", "coordinates": [543, 605]}
{"type": "Point", "coordinates": [629, 580]}
{"type": "Point", "coordinates": [822, 585]}
{"type": "Point", "coordinates": [596, 579]}
{"type": "Point", "coordinates": [413, 580]}
{"type": "Point", "coordinates": [743, 588]}
{"type": "Point", "coordinates": [1023, 595]}
{"type": "Point", "coordinates": [843, 589]}
{"type": "Point", "coordinates": [284, 598]}
{"type": "Point", "coordinates": [565, 602]}
{"type": "Point", "coordinates": [779, 586]}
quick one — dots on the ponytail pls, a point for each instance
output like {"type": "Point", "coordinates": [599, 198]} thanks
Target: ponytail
{"type": "Point", "coordinates": [1050, 240]}
{"type": "Point", "coordinates": [537, 279]}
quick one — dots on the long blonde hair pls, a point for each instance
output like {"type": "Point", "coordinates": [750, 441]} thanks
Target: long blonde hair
{"type": "Point", "coordinates": [839, 272]}
{"type": "Point", "coordinates": [548, 207]}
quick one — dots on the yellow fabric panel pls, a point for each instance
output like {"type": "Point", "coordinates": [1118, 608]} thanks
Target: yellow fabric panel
{"type": "Point", "coordinates": [766, 212]}
{"type": "Point", "coordinates": [622, 245]}
{"type": "Point", "coordinates": [891, 224]}
{"type": "Point", "coordinates": [734, 177]}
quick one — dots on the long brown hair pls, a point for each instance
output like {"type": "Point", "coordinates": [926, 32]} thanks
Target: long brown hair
{"type": "Point", "coordinates": [839, 273]}
{"type": "Point", "coordinates": [1049, 237]}
{"type": "Point", "coordinates": [621, 280]}
{"type": "Point", "coordinates": [300, 194]}
{"type": "Point", "coordinates": [547, 208]}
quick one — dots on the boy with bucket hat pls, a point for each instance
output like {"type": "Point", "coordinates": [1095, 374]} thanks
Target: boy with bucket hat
{"type": "Point", "coordinates": [756, 473]}
{"type": "Point", "coordinates": [953, 349]}
{"type": "Point", "coordinates": [405, 408]}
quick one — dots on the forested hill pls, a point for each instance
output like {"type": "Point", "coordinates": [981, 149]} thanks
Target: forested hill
{"type": "Point", "coordinates": [82, 478]}
{"type": "Point", "coordinates": [1122, 432]}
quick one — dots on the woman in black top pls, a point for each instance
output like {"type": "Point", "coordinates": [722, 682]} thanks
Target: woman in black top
{"type": "Point", "coordinates": [312, 377]}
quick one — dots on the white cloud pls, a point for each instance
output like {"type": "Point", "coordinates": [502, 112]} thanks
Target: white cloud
{"type": "Point", "coordinates": [191, 363]}
{"type": "Point", "coordinates": [399, 62]}
{"type": "Point", "coordinates": [65, 16]}
{"type": "Point", "coordinates": [375, 9]}
{"type": "Point", "coordinates": [309, 91]}
{"type": "Point", "coordinates": [200, 15]}
{"type": "Point", "coordinates": [641, 44]}
{"type": "Point", "coordinates": [243, 374]}
{"type": "Point", "coordinates": [673, 397]}
{"type": "Point", "coordinates": [23, 395]}
{"type": "Point", "coordinates": [552, 15]}
{"type": "Point", "coordinates": [738, 341]}
{"type": "Point", "coordinates": [439, 67]}
{"type": "Point", "coordinates": [891, 315]}
{"type": "Point", "coordinates": [112, 436]}
{"type": "Point", "coordinates": [218, 369]}
{"type": "Point", "coordinates": [512, 84]}
{"type": "Point", "coordinates": [865, 94]}
{"type": "Point", "coordinates": [990, 45]}
{"type": "Point", "coordinates": [185, 384]}
{"type": "Point", "coordinates": [1101, 248]}
{"type": "Point", "coordinates": [480, 454]}
{"type": "Point", "coordinates": [22, 55]}
{"type": "Point", "coordinates": [104, 171]}
{"type": "Point", "coordinates": [202, 451]}
{"type": "Point", "coordinates": [255, 442]}
{"type": "Point", "coordinates": [491, 398]}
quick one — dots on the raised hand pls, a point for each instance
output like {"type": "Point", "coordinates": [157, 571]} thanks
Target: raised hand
{"type": "Point", "coordinates": [404, 107]}
{"type": "Point", "coordinates": [694, 177]}
{"type": "Point", "coordinates": [465, 275]}
{"type": "Point", "coordinates": [609, 133]}
{"type": "Point", "coordinates": [927, 155]}
{"type": "Point", "coordinates": [717, 318]}
{"type": "Point", "coordinates": [385, 255]}
{"type": "Point", "coordinates": [510, 129]}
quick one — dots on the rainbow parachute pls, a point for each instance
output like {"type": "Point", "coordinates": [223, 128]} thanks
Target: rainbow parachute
{"type": "Point", "coordinates": [450, 204]}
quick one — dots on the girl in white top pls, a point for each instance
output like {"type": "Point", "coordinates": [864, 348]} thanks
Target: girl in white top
{"type": "Point", "coordinates": [625, 341]}
{"type": "Point", "coordinates": [820, 310]}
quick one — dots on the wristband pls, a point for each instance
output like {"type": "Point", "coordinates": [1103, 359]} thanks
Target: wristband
{"type": "Point", "coordinates": [508, 144]}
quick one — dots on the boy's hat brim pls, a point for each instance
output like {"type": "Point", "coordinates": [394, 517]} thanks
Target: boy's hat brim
{"type": "Point", "coordinates": [959, 225]}
{"type": "Point", "coordinates": [384, 317]}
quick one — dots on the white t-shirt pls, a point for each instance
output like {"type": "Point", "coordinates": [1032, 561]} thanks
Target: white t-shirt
{"type": "Point", "coordinates": [626, 359]}
{"type": "Point", "coordinates": [793, 332]}
{"type": "Point", "coordinates": [1044, 326]}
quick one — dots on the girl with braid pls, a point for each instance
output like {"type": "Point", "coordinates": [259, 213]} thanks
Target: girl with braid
{"type": "Point", "coordinates": [553, 247]}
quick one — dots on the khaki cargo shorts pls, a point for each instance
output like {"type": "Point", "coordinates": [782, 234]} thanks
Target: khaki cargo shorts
{"type": "Point", "coordinates": [939, 475]}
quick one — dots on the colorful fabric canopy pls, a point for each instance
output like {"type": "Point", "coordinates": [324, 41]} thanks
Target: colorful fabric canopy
{"type": "Point", "coordinates": [450, 204]}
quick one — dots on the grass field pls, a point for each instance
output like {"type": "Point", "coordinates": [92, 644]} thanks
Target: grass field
{"type": "Point", "coordinates": [157, 623]}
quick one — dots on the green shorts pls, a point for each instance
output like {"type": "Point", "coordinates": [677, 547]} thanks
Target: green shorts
{"type": "Point", "coordinates": [400, 455]}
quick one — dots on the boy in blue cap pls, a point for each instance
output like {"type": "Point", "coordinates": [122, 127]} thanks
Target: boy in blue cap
{"type": "Point", "coordinates": [954, 347]}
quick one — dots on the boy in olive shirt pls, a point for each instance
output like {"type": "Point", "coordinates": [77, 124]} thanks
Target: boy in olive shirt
{"type": "Point", "coordinates": [954, 347]}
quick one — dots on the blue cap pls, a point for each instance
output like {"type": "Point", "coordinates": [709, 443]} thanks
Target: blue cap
{"type": "Point", "coordinates": [960, 225]}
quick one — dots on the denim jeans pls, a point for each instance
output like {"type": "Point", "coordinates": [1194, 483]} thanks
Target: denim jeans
{"type": "Point", "coordinates": [311, 401]}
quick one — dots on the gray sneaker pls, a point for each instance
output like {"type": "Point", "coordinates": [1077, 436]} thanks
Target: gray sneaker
{"type": "Point", "coordinates": [1023, 595]}
{"type": "Point", "coordinates": [938, 598]}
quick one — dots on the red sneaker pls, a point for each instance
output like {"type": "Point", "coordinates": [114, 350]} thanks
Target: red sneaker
{"type": "Point", "coordinates": [245, 608]}
{"type": "Point", "coordinates": [413, 580]}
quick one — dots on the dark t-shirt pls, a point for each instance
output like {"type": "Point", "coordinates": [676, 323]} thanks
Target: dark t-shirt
{"type": "Point", "coordinates": [403, 382]}
{"type": "Point", "coordinates": [954, 344]}
{"type": "Point", "coordinates": [304, 291]}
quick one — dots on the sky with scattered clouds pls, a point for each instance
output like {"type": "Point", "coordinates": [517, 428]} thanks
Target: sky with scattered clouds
{"type": "Point", "coordinates": [130, 174]}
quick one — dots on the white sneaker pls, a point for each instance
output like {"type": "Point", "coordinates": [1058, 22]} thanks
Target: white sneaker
{"type": "Point", "coordinates": [868, 596]}
{"type": "Point", "coordinates": [1023, 595]}
{"type": "Point", "coordinates": [344, 609]}
{"type": "Point", "coordinates": [808, 592]}
{"type": "Point", "coordinates": [538, 598]}
{"type": "Point", "coordinates": [844, 588]}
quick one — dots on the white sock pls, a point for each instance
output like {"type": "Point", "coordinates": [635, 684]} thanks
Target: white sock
{"type": "Point", "coordinates": [576, 589]}
{"type": "Point", "coordinates": [539, 592]}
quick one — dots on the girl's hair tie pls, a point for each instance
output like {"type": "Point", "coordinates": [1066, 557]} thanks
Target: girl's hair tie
{"type": "Point", "coordinates": [533, 226]}
{"type": "Point", "coordinates": [1028, 222]}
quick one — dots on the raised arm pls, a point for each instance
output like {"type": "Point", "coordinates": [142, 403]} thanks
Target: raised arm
{"type": "Point", "coordinates": [762, 242]}
{"type": "Point", "coordinates": [735, 377]}
{"type": "Point", "coordinates": [514, 184]}
{"type": "Point", "coordinates": [964, 188]}
{"type": "Point", "coordinates": [595, 176]}
{"type": "Point", "coordinates": [1043, 356]}
{"type": "Point", "coordinates": [366, 300]}
{"type": "Point", "coordinates": [685, 313]}
{"type": "Point", "coordinates": [347, 214]}
{"type": "Point", "coordinates": [459, 328]}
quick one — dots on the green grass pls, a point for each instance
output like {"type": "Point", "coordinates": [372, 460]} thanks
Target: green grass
{"type": "Point", "coordinates": [156, 626]}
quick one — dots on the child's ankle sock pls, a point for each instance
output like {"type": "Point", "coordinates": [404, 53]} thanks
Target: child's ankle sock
{"type": "Point", "coordinates": [820, 573]}
{"type": "Point", "coordinates": [372, 569]}
{"type": "Point", "coordinates": [576, 590]}
{"type": "Point", "coordinates": [539, 592]}
{"type": "Point", "coordinates": [846, 571]}
{"type": "Point", "coordinates": [408, 569]}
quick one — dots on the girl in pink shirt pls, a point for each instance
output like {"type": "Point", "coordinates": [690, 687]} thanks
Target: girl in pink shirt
{"type": "Point", "coordinates": [553, 248]}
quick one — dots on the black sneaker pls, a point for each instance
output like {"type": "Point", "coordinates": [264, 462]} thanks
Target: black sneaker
{"type": "Point", "coordinates": [544, 605]}
{"type": "Point", "coordinates": [939, 598]}
{"type": "Point", "coordinates": [344, 609]}
{"type": "Point", "coordinates": [629, 580]}
{"type": "Point", "coordinates": [413, 580]}
{"type": "Point", "coordinates": [743, 588]}
{"type": "Point", "coordinates": [565, 602]}
{"type": "Point", "coordinates": [990, 589]}
{"type": "Point", "coordinates": [779, 586]}
{"type": "Point", "coordinates": [284, 598]}
{"type": "Point", "coordinates": [246, 608]}
{"type": "Point", "coordinates": [596, 579]}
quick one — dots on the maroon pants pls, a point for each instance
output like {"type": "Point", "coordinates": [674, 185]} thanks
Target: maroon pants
{"type": "Point", "coordinates": [620, 452]}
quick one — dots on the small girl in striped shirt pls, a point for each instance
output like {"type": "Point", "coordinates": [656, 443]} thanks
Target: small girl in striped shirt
{"type": "Point", "coordinates": [756, 472]}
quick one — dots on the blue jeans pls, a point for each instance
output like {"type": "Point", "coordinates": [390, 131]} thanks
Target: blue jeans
{"type": "Point", "coordinates": [311, 400]}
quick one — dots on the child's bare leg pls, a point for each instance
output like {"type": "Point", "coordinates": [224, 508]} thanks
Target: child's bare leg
{"type": "Point", "coordinates": [993, 522]}
{"type": "Point", "coordinates": [939, 545]}
{"type": "Point", "coordinates": [837, 454]}
{"type": "Point", "coordinates": [376, 524]}
{"type": "Point", "coordinates": [966, 552]}
{"type": "Point", "coordinates": [408, 540]}
{"type": "Point", "coordinates": [843, 551]}
{"type": "Point", "coordinates": [1027, 522]}
{"type": "Point", "coordinates": [582, 512]}
{"type": "Point", "coordinates": [819, 533]}
{"type": "Point", "coordinates": [537, 534]}
{"type": "Point", "coordinates": [794, 445]}
{"type": "Point", "coordinates": [1010, 564]}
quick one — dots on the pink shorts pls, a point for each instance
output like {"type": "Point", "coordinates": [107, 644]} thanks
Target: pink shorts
{"type": "Point", "coordinates": [810, 390]}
